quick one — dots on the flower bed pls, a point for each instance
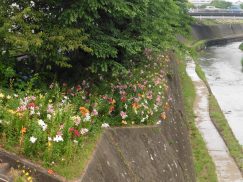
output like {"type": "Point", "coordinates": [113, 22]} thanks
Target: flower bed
{"type": "Point", "coordinates": [55, 126]}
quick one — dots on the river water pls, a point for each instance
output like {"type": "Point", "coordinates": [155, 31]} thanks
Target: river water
{"type": "Point", "coordinates": [223, 69]}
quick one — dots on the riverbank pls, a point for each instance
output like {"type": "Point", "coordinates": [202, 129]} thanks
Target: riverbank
{"type": "Point", "coordinates": [215, 144]}
{"type": "Point", "coordinates": [204, 166]}
{"type": "Point", "coordinates": [221, 123]}
{"type": "Point", "coordinates": [216, 114]}
{"type": "Point", "coordinates": [210, 35]}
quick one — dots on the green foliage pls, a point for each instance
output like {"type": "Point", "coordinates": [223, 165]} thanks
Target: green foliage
{"type": "Point", "coordinates": [57, 33]}
{"type": "Point", "coordinates": [221, 4]}
{"type": "Point", "coordinates": [241, 46]}
{"type": "Point", "coordinates": [241, 5]}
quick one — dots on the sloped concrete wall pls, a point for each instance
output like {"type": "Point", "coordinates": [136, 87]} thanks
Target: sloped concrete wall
{"type": "Point", "coordinates": [205, 32]}
{"type": "Point", "coordinates": [146, 154]}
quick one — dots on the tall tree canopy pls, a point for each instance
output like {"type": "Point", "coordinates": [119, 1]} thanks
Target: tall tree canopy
{"type": "Point", "coordinates": [53, 33]}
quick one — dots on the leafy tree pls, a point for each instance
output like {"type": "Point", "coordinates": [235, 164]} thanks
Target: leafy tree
{"type": "Point", "coordinates": [241, 5]}
{"type": "Point", "coordinates": [221, 4]}
{"type": "Point", "coordinates": [99, 34]}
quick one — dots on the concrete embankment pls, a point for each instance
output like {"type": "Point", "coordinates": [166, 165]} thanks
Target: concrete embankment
{"type": "Point", "coordinates": [217, 34]}
{"type": "Point", "coordinates": [156, 153]}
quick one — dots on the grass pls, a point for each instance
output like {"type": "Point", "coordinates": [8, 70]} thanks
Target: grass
{"type": "Point", "coordinates": [222, 125]}
{"type": "Point", "coordinates": [218, 21]}
{"type": "Point", "coordinates": [204, 166]}
{"type": "Point", "coordinates": [80, 159]}
{"type": "Point", "coordinates": [241, 46]}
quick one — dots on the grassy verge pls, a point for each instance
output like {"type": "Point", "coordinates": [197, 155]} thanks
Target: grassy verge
{"type": "Point", "coordinates": [204, 166]}
{"type": "Point", "coordinates": [222, 125]}
{"type": "Point", "coordinates": [219, 21]}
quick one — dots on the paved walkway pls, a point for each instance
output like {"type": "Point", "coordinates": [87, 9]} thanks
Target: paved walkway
{"type": "Point", "coordinates": [226, 168]}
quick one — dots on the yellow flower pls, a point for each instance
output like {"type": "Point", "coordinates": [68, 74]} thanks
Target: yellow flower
{"type": "Point", "coordinates": [124, 122]}
{"type": "Point", "coordinates": [12, 111]}
{"type": "Point", "coordinates": [1, 95]}
{"type": "Point", "coordinates": [9, 97]}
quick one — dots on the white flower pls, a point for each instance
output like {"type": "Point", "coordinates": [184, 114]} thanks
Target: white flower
{"type": "Point", "coordinates": [38, 113]}
{"type": "Point", "coordinates": [32, 111]}
{"type": "Point", "coordinates": [9, 97]}
{"type": "Point", "coordinates": [48, 116]}
{"type": "Point", "coordinates": [76, 120]}
{"type": "Point", "coordinates": [26, 16]}
{"type": "Point", "coordinates": [49, 139]}
{"type": "Point", "coordinates": [42, 124]}
{"type": "Point", "coordinates": [32, 3]}
{"type": "Point", "coordinates": [83, 131]}
{"type": "Point", "coordinates": [33, 31]}
{"type": "Point", "coordinates": [159, 122]}
{"type": "Point", "coordinates": [105, 125]}
{"type": "Point", "coordinates": [58, 138]}
{"type": "Point", "coordinates": [75, 141]}
{"type": "Point", "coordinates": [33, 139]}
{"type": "Point", "coordinates": [1, 121]}
{"type": "Point", "coordinates": [87, 117]}
{"type": "Point", "coordinates": [14, 5]}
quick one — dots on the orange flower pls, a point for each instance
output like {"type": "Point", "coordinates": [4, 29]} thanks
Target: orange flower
{"type": "Point", "coordinates": [163, 115]}
{"type": "Point", "coordinates": [83, 111]}
{"type": "Point", "coordinates": [135, 105]}
{"type": "Point", "coordinates": [50, 171]}
{"type": "Point", "coordinates": [23, 130]}
{"type": "Point", "coordinates": [111, 109]}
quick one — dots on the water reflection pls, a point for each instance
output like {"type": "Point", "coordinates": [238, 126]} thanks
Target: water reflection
{"type": "Point", "coordinates": [223, 69]}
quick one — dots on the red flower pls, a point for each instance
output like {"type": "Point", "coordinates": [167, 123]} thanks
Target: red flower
{"type": "Point", "coordinates": [123, 99]}
{"type": "Point", "coordinates": [76, 133]}
{"type": "Point", "coordinates": [78, 88]}
{"type": "Point", "coordinates": [31, 105]}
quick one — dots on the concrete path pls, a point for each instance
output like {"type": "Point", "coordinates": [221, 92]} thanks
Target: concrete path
{"type": "Point", "coordinates": [226, 168]}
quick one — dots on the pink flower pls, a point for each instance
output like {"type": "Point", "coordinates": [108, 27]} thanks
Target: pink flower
{"type": "Point", "coordinates": [95, 112]}
{"type": "Point", "coordinates": [21, 108]}
{"type": "Point", "coordinates": [123, 114]}
{"type": "Point", "coordinates": [50, 109]}
{"type": "Point", "coordinates": [158, 99]}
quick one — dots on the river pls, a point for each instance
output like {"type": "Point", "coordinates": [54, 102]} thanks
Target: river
{"type": "Point", "coordinates": [223, 69]}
